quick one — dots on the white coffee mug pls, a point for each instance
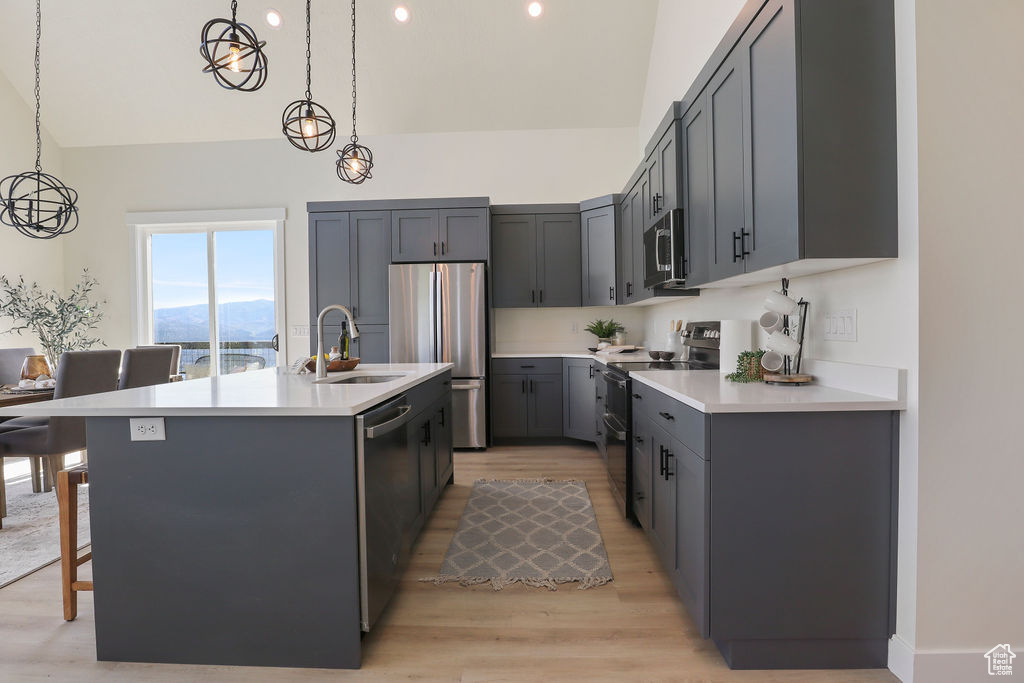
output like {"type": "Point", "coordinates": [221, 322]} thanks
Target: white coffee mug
{"type": "Point", "coordinates": [780, 303]}
{"type": "Point", "coordinates": [772, 361]}
{"type": "Point", "coordinates": [783, 343]}
{"type": "Point", "coordinates": [771, 321]}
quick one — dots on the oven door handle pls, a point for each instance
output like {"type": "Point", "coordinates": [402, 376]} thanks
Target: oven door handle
{"type": "Point", "coordinates": [613, 428]}
{"type": "Point", "coordinates": [612, 378]}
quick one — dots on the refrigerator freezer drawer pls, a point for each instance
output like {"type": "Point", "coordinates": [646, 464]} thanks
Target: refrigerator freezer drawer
{"type": "Point", "coordinates": [469, 413]}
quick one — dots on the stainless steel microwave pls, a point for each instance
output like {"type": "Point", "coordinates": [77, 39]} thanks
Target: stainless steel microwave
{"type": "Point", "coordinates": [665, 253]}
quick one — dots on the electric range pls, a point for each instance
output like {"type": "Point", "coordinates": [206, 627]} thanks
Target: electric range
{"type": "Point", "coordinates": [614, 399]}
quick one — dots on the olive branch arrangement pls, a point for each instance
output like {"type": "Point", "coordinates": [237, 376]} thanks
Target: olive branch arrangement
{"type": "Point", "coordinates": [61, 323]}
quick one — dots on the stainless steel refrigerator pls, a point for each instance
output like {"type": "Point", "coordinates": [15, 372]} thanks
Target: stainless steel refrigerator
{"type": "Point", "coordinates": [438, 315]}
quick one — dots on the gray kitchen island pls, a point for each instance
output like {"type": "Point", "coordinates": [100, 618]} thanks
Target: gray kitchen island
{"type": "Point", "coordinates": [271, 524]}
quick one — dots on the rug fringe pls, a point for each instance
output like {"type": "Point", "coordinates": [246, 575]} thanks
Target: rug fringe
{"type": "Point", "coordinates": [538, 480]}
{"type": "Point", "coordinates": [500, 582]}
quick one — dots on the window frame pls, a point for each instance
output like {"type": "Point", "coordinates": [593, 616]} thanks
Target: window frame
{"type": "Point", "coordinates": [143, 225]}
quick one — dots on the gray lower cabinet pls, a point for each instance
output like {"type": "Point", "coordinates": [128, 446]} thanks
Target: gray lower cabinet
{"type": "Point", "coordinates": [425, 235]}
{"type": "Point", "coordinates": [544, 405]}
{"type": "Point", "coordinates": [598, 232]}
{"type": "Point", "coordinates": [536, 258]}
{"type": "Point", "coordinates": [782, 550]}
{"type": "Point", "coordinates": [526, 397]}
{"type": "Point", "coordinates": [430, 438]}
{"type": "Point", "coordinates": [578, 399]}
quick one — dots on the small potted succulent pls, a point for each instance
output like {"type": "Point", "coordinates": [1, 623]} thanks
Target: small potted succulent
{"type": "Point", "coordinates": [604, 330]}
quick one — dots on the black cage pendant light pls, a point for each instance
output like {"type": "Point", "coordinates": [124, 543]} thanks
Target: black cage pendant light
{"type": "Point", "coordinates": [354, 160]}
{"type": "Point", "coordinates": [306, 124]}
{"type": "Point", "coordinates": [233, 53]}
{"type": "Point", "coordinates": [38, 204]}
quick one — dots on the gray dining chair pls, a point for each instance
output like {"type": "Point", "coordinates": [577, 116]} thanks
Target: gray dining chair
{"type": "Point", "coordinates": [11, 361]}
{"type": "Point", "coordinates": [175, 368]}
{"type": "Point", "coordinates": [146, 366]}
{"type": "Point", "coordinates": [47, 440]}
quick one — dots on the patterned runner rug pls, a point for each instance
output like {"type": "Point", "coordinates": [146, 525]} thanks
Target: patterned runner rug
{"type": "Point", "coordinates": [536, 532]}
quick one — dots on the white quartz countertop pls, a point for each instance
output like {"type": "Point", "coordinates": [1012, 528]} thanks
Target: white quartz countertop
{"type": "Point", "coordinates": [601, 357]}
{"type": "Point", "coordinates": [709, 392]}
{"type": "Point", "coordinates": [270, 392]}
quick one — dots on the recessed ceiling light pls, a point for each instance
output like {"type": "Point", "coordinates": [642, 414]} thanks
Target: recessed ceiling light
{"type": "Point", "coordinates": [401, 14]}
{"type": "Point", "coordinates": [274, 19]}
{"type": "Point", "coordinates": [535, 9]}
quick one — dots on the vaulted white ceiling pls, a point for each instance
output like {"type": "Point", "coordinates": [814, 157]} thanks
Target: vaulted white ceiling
{"type": "Point", "coordinates": [128, 71]}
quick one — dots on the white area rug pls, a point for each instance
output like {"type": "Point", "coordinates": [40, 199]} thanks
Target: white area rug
{"type": "Point", "coordinates": [30, 538]}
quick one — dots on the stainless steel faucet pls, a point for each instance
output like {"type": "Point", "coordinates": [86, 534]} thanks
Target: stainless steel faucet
{"type": "Point", "coordinates": [321, 364]}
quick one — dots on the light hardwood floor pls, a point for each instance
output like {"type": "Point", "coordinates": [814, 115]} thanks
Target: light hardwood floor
{"type": "Point", "coordinates": [633, 629]}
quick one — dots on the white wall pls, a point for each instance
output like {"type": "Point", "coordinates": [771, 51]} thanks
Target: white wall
{"type": "Point", "coordinates": [885, 295]}
{"type": "Point", "coordinates": [511, 166]}
{"type": "Point", "coordinates": [39, 261]}
{"type": "Point", "coordinates": [685, 34]}
{"type": "Point", "coordinates": [970, 551]}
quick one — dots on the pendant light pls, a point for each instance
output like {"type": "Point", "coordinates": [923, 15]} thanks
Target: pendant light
{"type": "Point", "coordinates": [233, 53]}
{"type": "Point", "coordinates": [354, 160]}
{"type": "Point", "coordinates": [38, 204]}
{"type": "Point", "coordinates": [306, 124]}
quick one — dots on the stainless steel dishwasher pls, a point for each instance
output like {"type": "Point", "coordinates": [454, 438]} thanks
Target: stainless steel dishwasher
{"type": "Point", "coordinates": [388, 503]}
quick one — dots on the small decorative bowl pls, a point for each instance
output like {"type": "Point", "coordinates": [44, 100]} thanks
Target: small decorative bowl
{"type": "Point", "coordinates": [666, 355]}
{"type": "Point", "coordinates": [655, 355]}
{"type": "Point", "coordinates": [334, 365]}
{"type": "Point", "coordinates": [592, 349]}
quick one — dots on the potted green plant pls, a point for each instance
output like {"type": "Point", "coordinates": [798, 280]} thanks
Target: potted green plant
{"type": "Point", "coordinates": [60, 323]}
{"type": "Point", "coordinates": [604, 330]}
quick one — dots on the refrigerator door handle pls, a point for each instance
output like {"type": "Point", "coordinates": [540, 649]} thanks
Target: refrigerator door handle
{"type": "Point", "coordinates": [433, 317]}
{"type": "Point", "coordinates": [441, 339]}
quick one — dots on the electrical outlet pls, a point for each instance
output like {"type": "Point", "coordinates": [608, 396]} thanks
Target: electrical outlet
{"type": "Point", "coordinates": [575, 328]}
{"type": "Point", "coordinates": [300, 330]}
{"type": "Point", "coordinates": [841, 326]}
{"type": "Point", "coordinates": [147, 428]}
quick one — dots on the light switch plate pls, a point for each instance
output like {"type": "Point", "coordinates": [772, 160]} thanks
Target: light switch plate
{"type": "Point", "coordinates": [300, 330]}
{"type": "Point", "coordinates": [841, 325]}
{"type": "Point", "coordinates": [147, 428]}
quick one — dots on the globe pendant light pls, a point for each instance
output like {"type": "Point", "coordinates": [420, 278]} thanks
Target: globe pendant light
{"type": "Point", "coordinates": [354, 160]}
{"type": "Point", "coordinates": [37, 204]}
{"type": "Point", "coordinates": [233, 53]}
{"type": "Point", "coordinates": [306, 124]}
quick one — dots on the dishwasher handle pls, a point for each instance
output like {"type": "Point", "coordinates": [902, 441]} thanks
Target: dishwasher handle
{"type": "Point", "coordinates": [391, 425]}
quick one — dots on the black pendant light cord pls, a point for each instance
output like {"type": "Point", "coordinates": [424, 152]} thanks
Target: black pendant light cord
{"type": "Point", "coordinates": [354, 138]}
{"type": "Point", "coordinates": [234, 11]}
{"type": "Point", "coordinates": [309, 57]}
{"type": "Point", "coordinates": [39, 137]}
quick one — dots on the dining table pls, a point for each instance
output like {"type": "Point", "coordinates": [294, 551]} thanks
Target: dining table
{"type": "Point", "coordinates": [10, 395]}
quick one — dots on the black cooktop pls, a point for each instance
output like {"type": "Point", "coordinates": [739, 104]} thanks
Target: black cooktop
{"type": "Point", "coordinates": [637, 365]}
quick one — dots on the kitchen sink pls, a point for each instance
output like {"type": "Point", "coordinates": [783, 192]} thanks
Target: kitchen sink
{"type": "Point", "coordinates": [359, 379]}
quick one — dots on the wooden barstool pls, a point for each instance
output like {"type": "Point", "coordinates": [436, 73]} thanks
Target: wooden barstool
{"type": "Point", "coordinates": [67, 500]}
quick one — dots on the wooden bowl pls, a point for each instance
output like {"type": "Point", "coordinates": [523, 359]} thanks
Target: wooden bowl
{"type": "Point", "coordinates": [334, 365]}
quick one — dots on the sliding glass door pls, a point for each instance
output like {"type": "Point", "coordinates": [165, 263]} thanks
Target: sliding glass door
{"type": "Point", "coordinates": [214, 292]}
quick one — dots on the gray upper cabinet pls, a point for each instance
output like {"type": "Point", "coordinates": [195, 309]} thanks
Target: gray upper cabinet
{"type": "Point", "coordinates": [635, 286]}
{"type": "Point", "coordinates": [423, 235]}
{"type": "Point", "coordinates": [329, 239]}
{"type": "Point", "coordinates": [598, 257]}
{"type": "Point", "coordinates": [348, 265]}
{"type": "Point", "coordinates": [728, 170]}
{"type": "Point", "coordinates": [783, 186]}
{"type": "Point", "coordinates": [414, 235]}
{"type": "Point", "coordinates": [370, 243]}
{"type": "Point", "coordinates": [624, 251]}
{"type": "Point", "coordinates": [559, 264]}
{"type": "Point", "coordinates": [769, 56]}
{"type": "Point", "coordinates": [514, 266]}
{"type": "Point", "coordinates": [697, 191]}
{"type": "Point", "coordinates": [578, 399]}
{"type": "Point", "coordinates": [536, 258]}
{"type": "Point", "coordinates": [463, 234]}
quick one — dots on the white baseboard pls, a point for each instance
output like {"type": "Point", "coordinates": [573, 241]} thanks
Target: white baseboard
{"type": "Point", "coordinates": [936, 666]}
{"type": "Point", "coordinates": [901, 659]}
